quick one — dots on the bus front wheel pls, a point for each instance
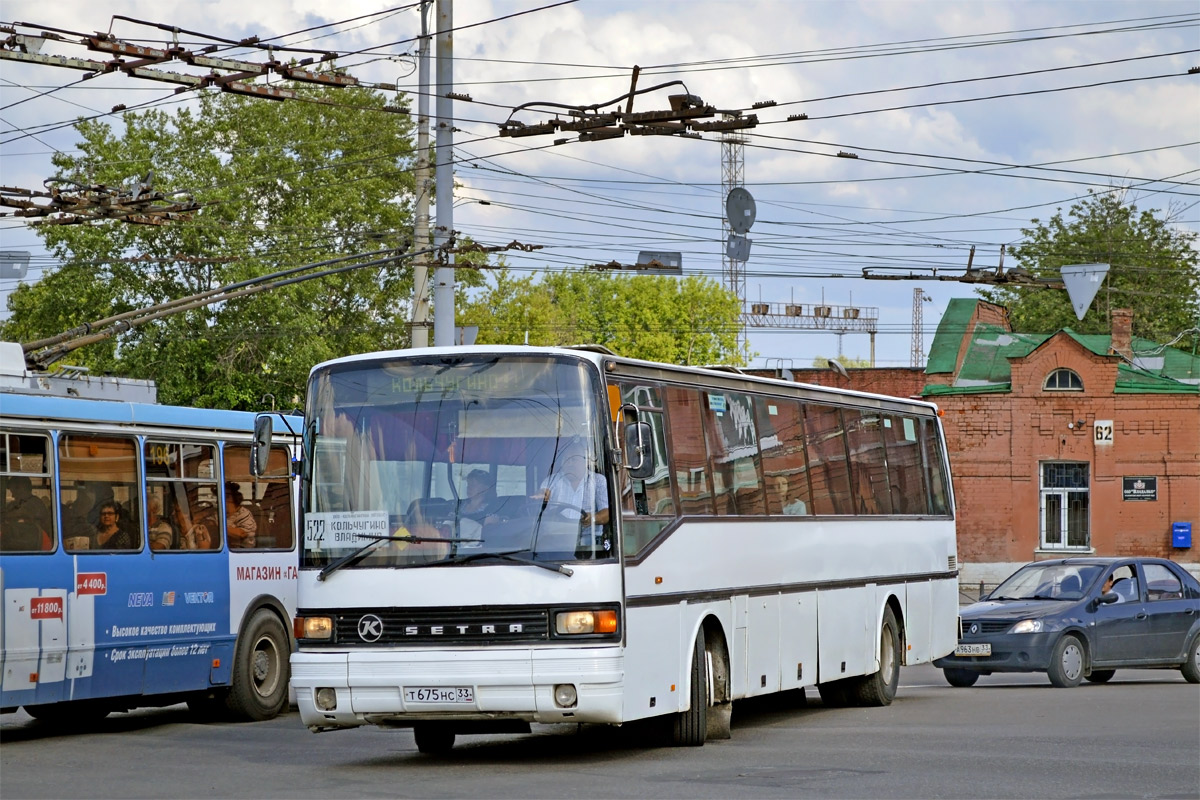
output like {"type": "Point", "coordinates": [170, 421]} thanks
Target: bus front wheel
{"type": "Point", "coordinates": [260, 669]}
{"type": "Point", "coordinates": [879, 688]}
{"type": "Point", "coordinates": [690, 728]}
{"type": "Point", "coordinates": [433, 739]}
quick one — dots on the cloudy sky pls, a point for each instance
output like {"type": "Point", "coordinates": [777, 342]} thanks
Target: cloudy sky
{"type": "Point", "coordinates": [967, 119]}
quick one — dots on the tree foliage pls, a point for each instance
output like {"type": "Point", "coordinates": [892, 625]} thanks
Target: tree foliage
{"type": "Point", "coordinates": [1153, 270]}
{"type": "Point", "coordinates": [690, 320]}
{"type": "Point", "coordinates": [280, 185]}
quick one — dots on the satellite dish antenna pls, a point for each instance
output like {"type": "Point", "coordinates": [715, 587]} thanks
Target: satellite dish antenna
{"type": "Point", "coordinates": [739, 210]}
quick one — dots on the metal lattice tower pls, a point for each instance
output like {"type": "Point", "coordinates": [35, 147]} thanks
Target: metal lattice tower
{"type": "Point", "coordinates": [917, 358]}
{"type": "Point", "coordinates": [733, 273]}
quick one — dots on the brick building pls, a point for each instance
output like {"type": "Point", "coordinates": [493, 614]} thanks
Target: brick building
{"type": "Point", "coordinates": [1059, 443]}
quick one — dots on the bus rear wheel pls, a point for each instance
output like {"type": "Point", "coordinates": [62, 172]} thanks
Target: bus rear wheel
{"type": "Point", "coordinates": [260, 669]}
{"type": "Point", "coordinates": [879, 688]}
{"type": "Point", "coordinates": [690, 728]}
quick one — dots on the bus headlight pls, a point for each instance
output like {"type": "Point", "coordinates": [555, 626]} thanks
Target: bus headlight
{"type": "Point", "coordinates": [1028, 626]}
{"type": "Point", "coordinates": [565, 695]}
{"type": "Point", "coordinates": [326, 698]}
{"type": "Point", "coordinates": [574, 622]}
{"type": "Point", "coordinates": [313, 627]}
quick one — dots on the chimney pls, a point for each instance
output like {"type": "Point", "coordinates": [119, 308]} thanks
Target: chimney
{"type": "Point", "coordinates": [1122, 331]}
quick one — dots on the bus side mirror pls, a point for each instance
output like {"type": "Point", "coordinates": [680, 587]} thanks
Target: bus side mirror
{"type": "Point", "coordinates": [260, 448]}
{"type": "Point", "coordinates": [639, 455]}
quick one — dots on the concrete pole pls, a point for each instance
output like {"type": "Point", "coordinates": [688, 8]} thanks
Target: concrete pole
{"type": "Point", "coordinates": [420, 309]}
{"type": "Point", "coordinates": [443, 289]}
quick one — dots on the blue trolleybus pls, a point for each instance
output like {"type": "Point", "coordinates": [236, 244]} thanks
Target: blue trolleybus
{"type": "Point", "coordinates": [141, 564]}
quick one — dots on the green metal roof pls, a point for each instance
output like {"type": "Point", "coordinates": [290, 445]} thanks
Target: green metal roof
{"type": "Point", "coordinates": [986, 369]}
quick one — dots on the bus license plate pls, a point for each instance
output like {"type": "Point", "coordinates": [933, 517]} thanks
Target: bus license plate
{"type": "Point", "coordinates": [973, 650]}
{"type": "Point", "coordinates": [439, 694]}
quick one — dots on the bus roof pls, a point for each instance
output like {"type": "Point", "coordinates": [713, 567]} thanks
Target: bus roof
{"type": "Point", "coordinates": [36, 407]}
{"type": "Point", "coordinates": [719, 376]}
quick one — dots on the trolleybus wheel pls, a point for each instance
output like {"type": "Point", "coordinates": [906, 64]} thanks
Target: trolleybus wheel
{"type": "Point", "coordinates": [879, 688]}
{"type": "Point", "coordinates": [433, 739]}
{"type": "Point", "coordinates": [690, 728]}
{"type": "Point", "coordinates": [260, 669]}
{"type": "Point", "coordinates": [74, 712]}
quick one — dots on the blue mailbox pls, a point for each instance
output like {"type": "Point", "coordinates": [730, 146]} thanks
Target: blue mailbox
{"type": "Point", "coordinates": [1181, 534]}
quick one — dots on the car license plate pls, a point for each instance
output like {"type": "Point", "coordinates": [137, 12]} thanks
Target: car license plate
{"type": "Point", "coordinates": [984, 649]}
{"type": "Point", "coordinates": [439, 694]}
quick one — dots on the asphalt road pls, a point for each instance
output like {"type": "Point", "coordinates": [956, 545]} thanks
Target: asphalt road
{"type": "Point", "coordinates": [1009, 736]}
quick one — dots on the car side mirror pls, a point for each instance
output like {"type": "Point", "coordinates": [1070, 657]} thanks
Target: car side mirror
{"type": "Point", "coordinates": [1109, 597]}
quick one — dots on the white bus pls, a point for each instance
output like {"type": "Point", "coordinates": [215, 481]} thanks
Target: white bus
{"type": "Point", "coordinates": [707, 536]}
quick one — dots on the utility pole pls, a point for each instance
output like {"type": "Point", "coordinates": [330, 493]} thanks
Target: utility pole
{"type": "Point", "coordinates": [733, 163]}
{"type": "Point", "coordinates": [918, 327]}
{"type": "Point", "coordinates": [420, 309]}
{"type": "Point", "coordinates": [443, 292]}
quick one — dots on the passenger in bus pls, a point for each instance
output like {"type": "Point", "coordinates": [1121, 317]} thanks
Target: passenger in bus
{"type": "Point", "coordinates": [573, 485]}
{"type": "Point", "coordinates": [239, 522]}
{"type": "Point", "coordinates": [794, 507]}
{"type": "Point", "coordinates": [111, 532]}
{"type": "Point", "coordinates": [27, 520]}
{"type": "Point", "coordinates": [162, 535]}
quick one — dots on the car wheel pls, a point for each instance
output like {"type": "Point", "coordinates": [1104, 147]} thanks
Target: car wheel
{"type": "Point", "coordinates": [1191, 667]}
{"type": "Point", "coordinates": [1066, 662]}
{"type": "Point", "coordinates": [1100, 675]}
{"type": "Point", "coordinates": [961, 678]}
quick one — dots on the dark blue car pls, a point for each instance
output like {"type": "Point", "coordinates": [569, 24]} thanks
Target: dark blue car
{"type": "Point", "coordinates": [1082, 618]}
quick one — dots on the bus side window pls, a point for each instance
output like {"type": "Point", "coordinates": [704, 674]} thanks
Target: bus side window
{"type": "Point", "coordinates": [935, 473]}
{"type": "Point", "coordinates": [689, 458]}
{"type": "Point", "coordinates": [26, 495]}
{"type": "Point", "coordinates": [268, 498]}
{"type": "Point", "coordinates": [104, 471]}
{"type": "Point", "coordinates": [827, 459]}
{"type": "Point", "coordinates": [733, 453]}
{"type": "Point", "coordinates": [785, 468]}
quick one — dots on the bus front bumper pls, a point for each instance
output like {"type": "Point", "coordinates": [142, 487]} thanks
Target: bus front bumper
{"type": "Point", "coordinates": [339, 689]}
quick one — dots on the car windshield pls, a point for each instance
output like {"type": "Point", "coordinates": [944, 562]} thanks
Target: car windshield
{"type": "Point", "coordinates": [1047, 582]}
{"type": "Point", "coordinates": [455, 460]}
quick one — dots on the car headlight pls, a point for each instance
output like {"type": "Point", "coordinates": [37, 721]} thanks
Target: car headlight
{"type": "Point", "coordinates": [1027, 626]}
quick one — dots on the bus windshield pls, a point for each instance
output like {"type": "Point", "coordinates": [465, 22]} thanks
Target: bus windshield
{"type": "Point", "coordinates": [455, 460]}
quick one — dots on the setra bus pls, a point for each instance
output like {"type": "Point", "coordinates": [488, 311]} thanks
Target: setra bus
{"type": "Point", "coordinates": [141, 564]}
{"type": "Point", "coordinates": [494, 536]}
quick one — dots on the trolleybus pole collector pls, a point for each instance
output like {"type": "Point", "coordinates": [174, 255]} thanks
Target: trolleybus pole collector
{"type": "Point", "coordinates": [494, 536]}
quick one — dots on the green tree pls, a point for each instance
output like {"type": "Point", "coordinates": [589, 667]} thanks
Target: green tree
{"type": "Point", "coordinates": [822, 362]}
{"type": "Point", "coordinates": [279, 185]}
{"type": "Point", "coordinates": [690, 320]}
{"type": "Point", "coordinates": [1153, 270]}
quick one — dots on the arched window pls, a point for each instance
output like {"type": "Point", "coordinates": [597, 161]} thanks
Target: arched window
{"type": "Point", "coordinates": [1063, 380]}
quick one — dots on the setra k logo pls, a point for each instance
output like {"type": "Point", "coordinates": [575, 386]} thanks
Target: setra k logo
{"type": "Point", "coordinates": [370, 628]}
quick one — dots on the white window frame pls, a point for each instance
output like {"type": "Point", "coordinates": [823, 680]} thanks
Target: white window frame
{"type": "Point", "coordinates": [1061, 496]}
{"type": "Point", "coordinates": [1072, 379]}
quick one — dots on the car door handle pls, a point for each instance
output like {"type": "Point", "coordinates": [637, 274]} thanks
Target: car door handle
{"type": "Point", "coordinates": [1190, 611]}
{"type": "Point", "coordinates": [1142, 615]}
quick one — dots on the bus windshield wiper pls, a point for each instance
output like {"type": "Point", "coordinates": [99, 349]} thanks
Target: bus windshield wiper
{"type": "Point", "coordinates": [506, 555]}
{"type": "Point", "coordinates": [357, 555]}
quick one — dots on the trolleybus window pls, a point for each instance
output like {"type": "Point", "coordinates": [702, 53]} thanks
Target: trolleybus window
{"type": "Point", "coordinates": [104, 471]}
{"type": "Point", "coordinates": [27, 519]}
